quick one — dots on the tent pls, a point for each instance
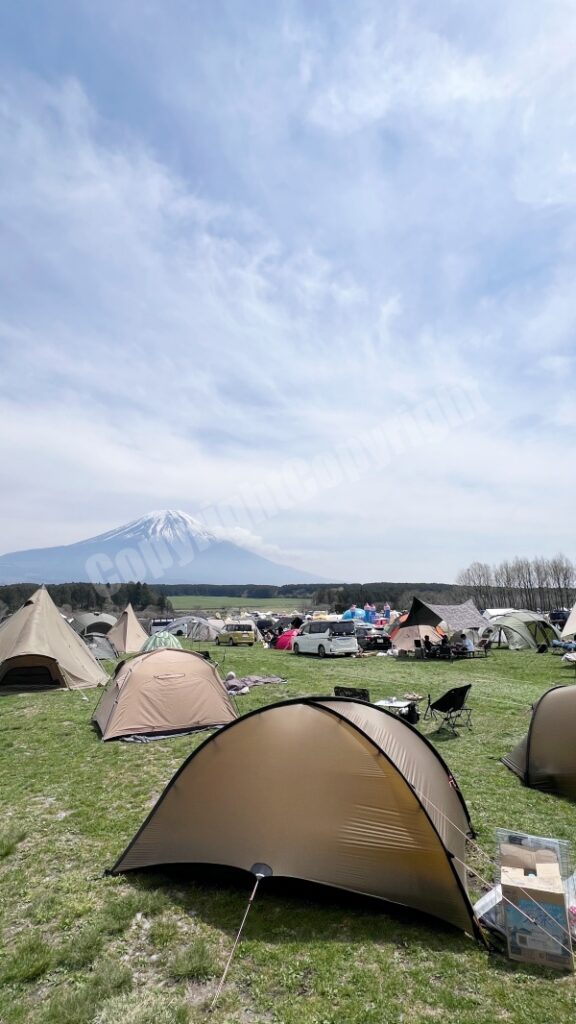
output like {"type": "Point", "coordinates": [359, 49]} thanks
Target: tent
{"type": "Point", "coordinates": [38, 649]}
{"type": "Point", "coordinates": [286, 639]}
{"type": "Point", "coordinates": [164, 639]}
{"type": "Point", "coordinates": [127, 635]}
{"type": "Point", "coordinates": [546, 757]}
{"type": "Point", "coordinates": [569, 629]}
{"type": "Point", "coordinates": [325, 789]}
{"type": "Point", "coordinates": [205, 630]}
{"type": "Point", "coordinates": [90, 622]}
{"type": "Point", "coordinates": [163, 691]}
{"type": "Point", "coordinates": [458, 617]}
{"type": "Point", "coordinates": [521, 630]}
{"type": "Point", "coordinates": [404, 636]}
{"type": "Point", "coordinates": [100, 647]}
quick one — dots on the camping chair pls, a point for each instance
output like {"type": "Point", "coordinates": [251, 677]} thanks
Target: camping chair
{"type": "Point", "coordinates": [356, 692]}
{"type": "Point", "coordinates": [451, 707]}
{"type": "Point", "coordinates": [419, 651]}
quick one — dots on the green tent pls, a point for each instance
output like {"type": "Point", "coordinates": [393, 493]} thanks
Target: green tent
{"type": "Point", "coordinates": [160, 640]}
{"type": "Point", "coordinates": [522, 630]}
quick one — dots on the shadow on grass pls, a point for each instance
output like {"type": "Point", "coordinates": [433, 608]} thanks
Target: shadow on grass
{"type": "Point", "coordinates": [291, 910]}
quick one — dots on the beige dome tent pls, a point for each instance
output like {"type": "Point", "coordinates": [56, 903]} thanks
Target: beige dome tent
{"type": "Point", "coordinates": [39, 649]}
{"type": "Point", "coordinates": [163, 691]}
{"type": "Point", "coordinates": [90, 622]}
{"type": "Point", "coordinates": [324, 789]}
{"type": "Point", "coordinates": [546, 757]}
{"type": "Point", "coordinates": [403, 638]}
{"type": "Point", "coordinates": [128, 635]}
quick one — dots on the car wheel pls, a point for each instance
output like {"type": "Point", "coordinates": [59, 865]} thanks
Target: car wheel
{"type": "Point", "coordinates": [250, 645]}
{"type": "Point", "coordinates": [295, 649]}
{"type": "Point", "coordinates": [321, 651]}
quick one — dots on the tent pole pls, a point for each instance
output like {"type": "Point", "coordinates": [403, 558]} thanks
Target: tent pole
{"type": "Point", "coordinates": [261, 871]}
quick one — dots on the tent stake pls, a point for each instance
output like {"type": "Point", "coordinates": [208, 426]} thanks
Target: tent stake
{"type": "Point", "coordinates": [261, 871]}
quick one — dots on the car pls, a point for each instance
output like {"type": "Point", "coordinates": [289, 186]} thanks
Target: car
{"type": "Point", "coordinates": [371, 639]}
{"type": "Point", "coordinates": [559, 617]}
{"type": "Point", "coordinates": [326, 638]}
{"type": "Point", "coordinates": [237, 633]}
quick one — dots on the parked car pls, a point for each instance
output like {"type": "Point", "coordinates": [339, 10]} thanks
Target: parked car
{"type": "Point", "coordinates": [236, 633]}
{"type": "Point", "coordinates": [372, 639]}
{"type": "Point", "coordinates": [559, 617]}
{"type": "Point", "coordinates": [323, 638]}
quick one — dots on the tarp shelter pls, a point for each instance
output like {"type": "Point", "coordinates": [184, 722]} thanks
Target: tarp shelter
{"type": "Point", "coordinates": [164, 639]}
{"type": "Point", "coordinates": [324, 789]}
{"type": "Point", "coordinates": [569, 630]}
{"type": "Point", "coordinates": [403, 638]}
{"type": "Point", "coordinates": [100, 647]}
{"type": "Point", "coordinates": [90, 622]}
{"type": "Point", "coordinates": [38, 649]}
{"type": "Point", "coordinates": [458, 617]}
{"type": "Point", "coordinates": [205, 630]}
{"type": "Point", "coordinates": [163, 691]}
{"type": "Point", "coordinates": [521, 630]}
{"type": "Point", "coordinates": [128, 635]}
{"type": "Point", "coordinates": [546, 757]}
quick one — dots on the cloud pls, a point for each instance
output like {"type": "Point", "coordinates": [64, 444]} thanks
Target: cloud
{"type": "Point", "coordinates": [228, 250]}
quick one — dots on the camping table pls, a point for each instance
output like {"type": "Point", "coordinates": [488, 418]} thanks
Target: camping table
{"type": "Point", "coordinates": [395, 705]}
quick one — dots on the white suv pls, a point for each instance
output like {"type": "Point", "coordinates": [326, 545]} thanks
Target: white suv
{"type": "Point", "coordinates": [324, 638]}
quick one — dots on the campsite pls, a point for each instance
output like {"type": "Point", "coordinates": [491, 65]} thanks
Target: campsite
{"type": "Point", "coordinates": [82, 946]}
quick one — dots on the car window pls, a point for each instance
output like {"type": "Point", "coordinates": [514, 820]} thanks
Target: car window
{"type": "Point", "coordinates": [305, 629]}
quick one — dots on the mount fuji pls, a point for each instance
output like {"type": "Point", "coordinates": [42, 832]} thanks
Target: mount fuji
{"type": "Point", "coordinates": [161, 547]}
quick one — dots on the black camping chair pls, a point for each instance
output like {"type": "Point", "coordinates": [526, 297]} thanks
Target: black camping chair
{"type": "Point", "coordinates": [352, 691]}
{"type": "Point", "coordinates": [451, 708]}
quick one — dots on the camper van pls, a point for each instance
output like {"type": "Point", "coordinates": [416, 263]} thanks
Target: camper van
{"type": "Point", "coordinates": [322, 638]}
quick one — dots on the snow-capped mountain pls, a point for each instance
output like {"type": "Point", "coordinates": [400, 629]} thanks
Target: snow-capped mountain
{"type": "Point", "coordinates": [160, 547]}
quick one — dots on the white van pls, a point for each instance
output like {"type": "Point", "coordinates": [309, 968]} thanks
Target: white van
{"type": "Point", "coordinates": [322, 638]}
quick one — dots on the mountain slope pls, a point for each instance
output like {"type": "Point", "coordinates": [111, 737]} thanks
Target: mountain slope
{"type": "Point", "coordinates": [161, 547]}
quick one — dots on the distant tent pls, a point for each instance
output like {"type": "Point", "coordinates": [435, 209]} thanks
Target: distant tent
{"type": "Point", "coordinates": [127, 635]}
{"type": "Point", "coordinates": [325, 789]}
{"type": "Point", "coordinates": [521, 630]}
{"type": "Point", "coordinates": [546, 757]}
{"type": "Point", "coordinates": [38, 649]}
{"type": "Point", "coordinates": [458, 617]}
{"type": "Point", "coordinates": [286, 639]}
{"type": "Point", "coordinates": [205, 630]}
{"type": "Point", "coordinates": [180, 626]}
{"type": "Point", "coordinates": [100, 647]}
{"type": "Point", "coordinates": [163, 691]}
{"type": "Point", "coordinates": [164, 639]}
{"type": "Point", "coordinates": [90, 622]}
{"type": "Point", "coordinates": [569, 630]}
{"type": "Point", "coordinates": [403, 638]}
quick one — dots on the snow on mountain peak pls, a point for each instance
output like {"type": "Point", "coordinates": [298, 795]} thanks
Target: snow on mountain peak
{"type": "Point", "coordinates": [170, 525]}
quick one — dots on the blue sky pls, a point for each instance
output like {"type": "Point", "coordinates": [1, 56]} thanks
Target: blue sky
{"type": "Point", "coordinates": [238, 237]}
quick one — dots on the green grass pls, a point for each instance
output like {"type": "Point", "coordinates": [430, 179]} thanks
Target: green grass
{"type": "Point", "coordinates": [79, 947]}
{"type": "Point", "coordinates": [264, 604]}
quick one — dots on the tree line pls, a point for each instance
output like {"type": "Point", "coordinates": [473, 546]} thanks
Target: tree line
{"type": "Point", "coordinates": [87, 597]}
{"type": "Point", "coordinates": [538, 584]}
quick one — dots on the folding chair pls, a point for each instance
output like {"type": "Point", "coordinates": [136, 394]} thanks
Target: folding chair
{"type": "Point", "coordinates": [356, 692]}
{"type": "Point", "coordinates": [451, 708]}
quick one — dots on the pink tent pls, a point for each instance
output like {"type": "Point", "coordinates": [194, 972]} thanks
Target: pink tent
{"type": "Point", "coordinates": [284, 641]}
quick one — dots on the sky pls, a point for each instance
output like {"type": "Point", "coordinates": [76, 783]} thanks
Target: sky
{"type": "Point", "coordinates": [303, 270]}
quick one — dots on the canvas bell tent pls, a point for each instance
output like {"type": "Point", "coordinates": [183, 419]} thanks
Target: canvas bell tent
{"type": "Point", "coordinates": [569, 629]}
{"type": "Point", "coordinates": [163, 691]}
{"type": "Point", "coordinates": [546, 757]}
{"type": "Point", "coordinates": [127, 635]}
{"type": "Point", "coordinates": [521, 630]}
{"type": "Point", "coordinates": [163, 639]}
{"type": "Point", "coordinates": [328, 790]}
{"type": "Point", "coordinates": [39, 649]}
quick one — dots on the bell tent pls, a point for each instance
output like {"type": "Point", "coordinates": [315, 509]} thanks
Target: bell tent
{"type": "Point", "coordinates": [163, 691]}
{"type": "Point", "coordinates": [546, 757]}
{"type": "Point", "coordinates": [569, 629]}
{"type": "Point", "coordinates": [163, 639]}
{"type": "Point", "coordinates": [324, 789]}
{"type": "Point", "coordinates": [127, 635]}
{"type": "Point", "coordinates": [39, 649]}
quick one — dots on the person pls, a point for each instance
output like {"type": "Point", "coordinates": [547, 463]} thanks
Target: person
{"type": "Point", "coordinates": [386, 612]}
{"type": "Point", "coordinates": [350, 613]}
{"type": "Point", "coordinates": [444, 651]}
{"type": "Point", "coordinates": [428, 645]}
{"type": "Point", "coordinates": [469, 643]}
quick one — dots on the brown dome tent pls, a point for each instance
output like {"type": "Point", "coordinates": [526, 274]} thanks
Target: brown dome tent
{"type": "Point", "coordinates": [163, 691]}
{"type": "Point", "coordinates": [324, 789]}
{"type": "Point", "coordinates": [546, 757]}
{"type": "Point", "coordinates": [40, 650]}
{"type": "Point", "coordinates": [128, 636]}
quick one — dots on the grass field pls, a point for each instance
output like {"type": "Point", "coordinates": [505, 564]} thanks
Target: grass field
{"type": "Point", "coordinates": [82, 948]}
{"type": "Point", "coordinates": [210, 603]}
